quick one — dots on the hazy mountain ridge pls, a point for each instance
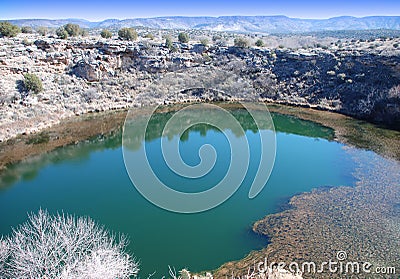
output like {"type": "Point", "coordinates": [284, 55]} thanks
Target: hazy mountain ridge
{"type": "Point", "coordinates": [262, 24]}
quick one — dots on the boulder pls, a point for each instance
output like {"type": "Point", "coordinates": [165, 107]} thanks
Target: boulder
{"type": "Point", "coordinates": [86, 71]}
{"type": "Point", "coordinates": [199, 48]}
{"type": "Point", "coordinates": [43, 45]}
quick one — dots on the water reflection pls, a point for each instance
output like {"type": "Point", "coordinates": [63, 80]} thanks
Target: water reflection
{"type": "Point", "coordinates": [28, 169]}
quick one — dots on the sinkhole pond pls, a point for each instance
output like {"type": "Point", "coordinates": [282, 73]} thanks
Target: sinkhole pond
{"type": "Point", "coordinates": [90, 179]}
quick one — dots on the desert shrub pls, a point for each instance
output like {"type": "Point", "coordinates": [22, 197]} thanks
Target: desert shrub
{"type": "Point", "coordinates": [259, 43]}
{"type": "Point", "coordinates": [64, 246]}
{"type": "Point", "coordinates": [84, 32]}
{"type": "Point", "coordinates": [216, 38]}
{"type": "Point", "coordinates": [8, 30]}
{"type": "Point", "coordinates": [32, 83]}
{"type": "Point", "coordinates": [90, 95]}
{"type": "Point", "coordinates": [206, 57]}
{"type": "Point", "coordinates": [204, 42]}
{"type": "Point", "coordinates": [42, 137]}
{"type": "Point", "coordinates": [183, 37]}
{"type": "Point", "coordinates": [222, 43]}
{"type": "Point", "coordinates": [73, 29]}
{"type": "Point", "coordinates": [241, 42]}
{"type": "Point", "coordinates": [168, 43]}
{"type": "Point", "coordinates": [62, 33]}
{"type": "Point", "coordinates": [149, 36]}
{"type": "Point", "coordinates": [26, 42]}
{"type": "Point", "coordinates": [106, 34]}
{"type": "Point", "coordinates": [42, 30]}
{"type": "Point", "coordinates": [128, 34]}
{"type": "Point", "coordinates": [26, 29]}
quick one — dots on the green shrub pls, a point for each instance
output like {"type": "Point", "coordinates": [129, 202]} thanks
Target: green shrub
{"type": "Point", "coordinates": [62, 33]}
{"type": "Point", "coordinates": [204, 42]}
{"type": "Point", "coordinates": [32, 83]}
{"type": "Point", "coordinates": [168, 43]}
{"type": "Point", "coordinates": [42, 30]}
{"type": "Point", "coordinates": [183, 38]}
{"type": "Point", "coordinates": [42, 137]}
{"type": "Point", "coordinates": [128, 34]}
{"type": "Point", "coordinates": [241, 42]}
{"type": "Point", "coordinates": [26, 42]}
{"type": "Point", "coordinates": [216, 38]}
{"type": "Point", "coordinates": [206, 57]}
{"type": "Point", "coordinates": [73, 29]}
{"type": "Point", "coordinates": [8, 30]}
{"type": "Point", "coordinates": [26, 29]}
{"type": "Point", "coordinates": [106, 34]}
{"type": "Point", "coordinates": [84, 32]}
{"type": "Point", "coordinates": [259, 43]}
{"type": "Point", "coordinates": [149, 36]}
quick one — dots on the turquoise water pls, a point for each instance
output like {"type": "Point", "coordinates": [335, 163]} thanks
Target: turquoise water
{"type": "Point", "coordinates": [90, 179]}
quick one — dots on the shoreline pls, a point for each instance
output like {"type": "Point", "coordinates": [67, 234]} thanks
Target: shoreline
{"type": "Point", "coordinates": [69, 131]}
{"type": "Point", "coordinates": [77, 128]}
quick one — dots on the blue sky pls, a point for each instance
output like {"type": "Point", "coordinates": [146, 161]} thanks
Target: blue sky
{"type": "Point", "coordinates": [103, 9]}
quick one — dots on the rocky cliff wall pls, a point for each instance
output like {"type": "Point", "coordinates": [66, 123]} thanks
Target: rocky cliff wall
{"type": "Point", "coordinates": [87, 74]}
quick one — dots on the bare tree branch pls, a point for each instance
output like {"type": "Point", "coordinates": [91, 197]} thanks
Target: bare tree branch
{"type": "Point", "coordinates": [64, 246]}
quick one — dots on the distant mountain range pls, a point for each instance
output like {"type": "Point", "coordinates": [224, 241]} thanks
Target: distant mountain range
{"type": "Point", "coordinates": [262, 24]}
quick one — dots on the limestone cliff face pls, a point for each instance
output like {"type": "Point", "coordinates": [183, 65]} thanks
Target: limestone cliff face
{"type": "Point", "coordinates": [357, 83]}
{"type": "Point", "coordinates": [87, 74]}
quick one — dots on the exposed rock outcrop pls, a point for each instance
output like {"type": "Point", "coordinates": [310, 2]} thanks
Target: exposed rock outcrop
{"type": "Point", "coordinates": [86, 71]}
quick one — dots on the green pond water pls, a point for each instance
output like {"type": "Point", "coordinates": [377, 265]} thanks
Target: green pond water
{"type": "Point", "coordinates": [90, 179]}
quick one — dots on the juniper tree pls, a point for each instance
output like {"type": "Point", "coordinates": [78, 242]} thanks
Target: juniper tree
{"type": "Point", "coordinates": [128, 34]}
{"type": "Point", "coordinates": [8, 30]}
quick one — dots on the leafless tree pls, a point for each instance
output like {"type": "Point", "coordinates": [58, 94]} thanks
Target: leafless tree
{"type": "Point", "coordinates": [64, 246]}
{"type": "Point", "coordinates": [4, 252]}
